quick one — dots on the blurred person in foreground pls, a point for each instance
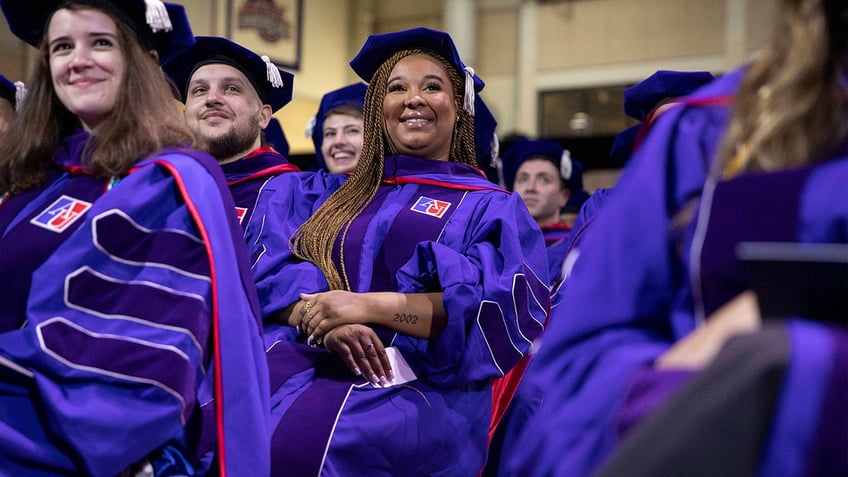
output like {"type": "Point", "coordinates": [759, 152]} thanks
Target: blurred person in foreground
{"type": "Point", "coordinates": [658, 305]}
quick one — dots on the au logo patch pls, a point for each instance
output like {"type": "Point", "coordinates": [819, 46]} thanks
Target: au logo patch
{"type": "Point", "coordinates": [240, 213]}
{"type": "Point", "coordinates": [59, 215]}
{"type": "Point", "coordinates": [433, 207]}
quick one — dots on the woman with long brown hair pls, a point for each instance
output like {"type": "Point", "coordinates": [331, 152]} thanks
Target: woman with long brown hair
{"type": "Point", "coordinates": [755, 161]}
{"type": "Point", "coordinates": [423, 280]}
{"type": "Point", "coordinates": [115, 236]}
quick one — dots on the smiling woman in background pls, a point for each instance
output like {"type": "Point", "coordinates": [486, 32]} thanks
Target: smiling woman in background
{"type": "Point", "coordinates": [336, 129]}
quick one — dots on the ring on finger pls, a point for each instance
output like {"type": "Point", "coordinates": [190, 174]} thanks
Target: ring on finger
{"type": "Point", "coordinates": [368, 346]}
{"type": "Point", "coordinates": [308, 306]}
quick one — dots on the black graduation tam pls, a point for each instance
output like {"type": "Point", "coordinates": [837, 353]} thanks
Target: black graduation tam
{"type": "Point", "coordinates": [273, 85]}
{"type": "Point", "coordinates": [623, 143]}
{"type": "Point", "coordinates": [485, 140]}
{"type": "Point", "coordinates": [575, 184]}
{"type": "Point", "coordinates": [7, 90]}
{"type": "Point", "coordinates": [379, 47]}
{"type": "Point", "coordinates": [161, 26]}
{"type": "Point", "coordinates": [352, 95]}
{"type": "Point", "coordinates": [645, 96]}
{"type": "Point", "coordinates": [276, 138]}
{"type": "Point", "coordinates": [641, 98]}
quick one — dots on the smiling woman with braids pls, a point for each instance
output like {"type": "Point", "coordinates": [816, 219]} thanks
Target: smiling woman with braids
{"type": "Point", "coordinates": [423, 280]}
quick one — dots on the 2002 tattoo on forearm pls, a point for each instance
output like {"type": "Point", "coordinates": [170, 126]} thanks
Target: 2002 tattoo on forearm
{"type": "Point", "coordinates": [404, 318]}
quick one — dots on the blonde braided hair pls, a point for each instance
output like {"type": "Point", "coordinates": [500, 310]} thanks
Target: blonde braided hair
{"type": "Point", "coordinates": [314, 239]}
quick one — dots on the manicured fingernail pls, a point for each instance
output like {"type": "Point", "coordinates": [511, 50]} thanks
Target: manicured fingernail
{"type": "Point", "coordinates": [384, 381]}
{"type": "Point", "coordinates": [375, 380]}
{"type": "Point", "coordinates": [391, 375]}
{"type": "Point", "coordinates": [357, 372]}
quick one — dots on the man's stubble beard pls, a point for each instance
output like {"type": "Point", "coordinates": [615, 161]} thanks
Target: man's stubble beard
{"type": "Point", "coordinates": [237, 140]}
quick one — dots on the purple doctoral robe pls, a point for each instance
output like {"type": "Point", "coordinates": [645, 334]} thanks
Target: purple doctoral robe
{"type": "Point", "coordinates": [556, 242]}
{"type": "Point", "coordinates": [432, 226]}
{"type": "Point", "coordinates": [137, 308]}
{"type": "Point", "coordinates": [246, 176]}
{"type": "Point", "coordinates": [641, 283]}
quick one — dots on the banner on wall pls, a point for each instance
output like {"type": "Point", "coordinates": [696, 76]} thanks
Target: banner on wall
{"type": "Point", "coordinates": [267, 27]}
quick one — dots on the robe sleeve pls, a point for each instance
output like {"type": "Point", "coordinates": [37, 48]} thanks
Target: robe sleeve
{"type": "Point", "coordinates": [491, 266]}
{"type": "Point", "coordinates": [123, 331]}
{"type": "Point", "coordinates": [282, 206]}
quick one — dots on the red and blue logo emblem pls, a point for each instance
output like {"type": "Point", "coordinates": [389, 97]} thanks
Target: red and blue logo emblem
{"type": "Point", "coordinates": [240, 213]}
{"type": "Point", "coordinates": [433, 207]}
{"type": "Point", "coordinates": [59, 215]}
